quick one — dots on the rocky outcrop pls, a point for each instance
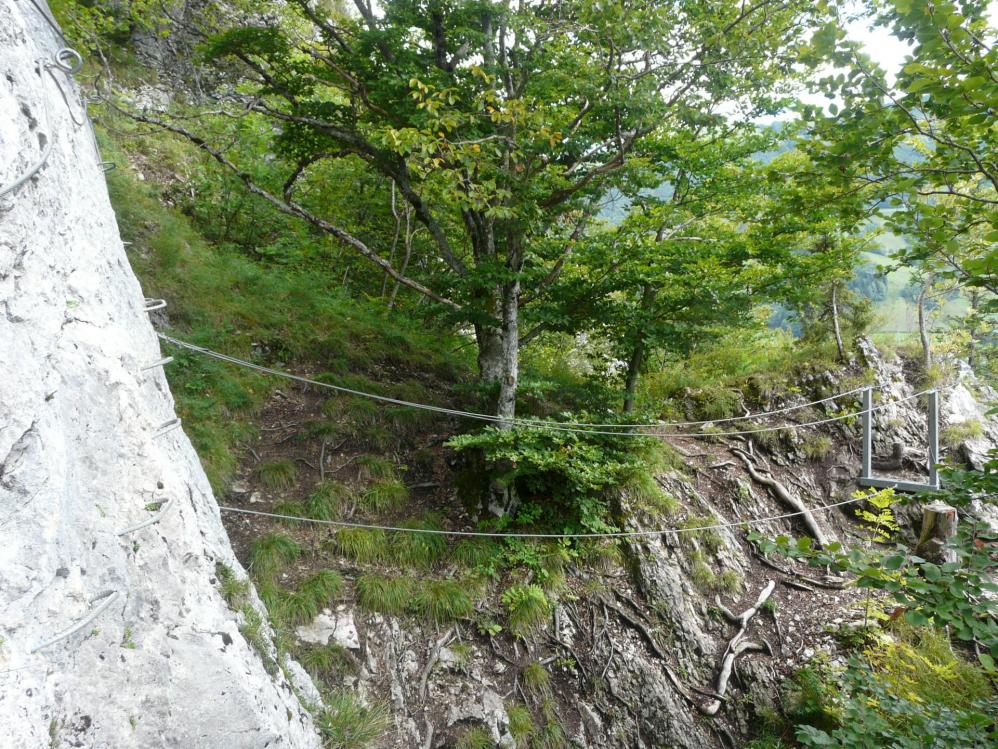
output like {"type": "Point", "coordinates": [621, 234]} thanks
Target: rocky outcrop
{"type": "Point", "coordinates": [112, 631]}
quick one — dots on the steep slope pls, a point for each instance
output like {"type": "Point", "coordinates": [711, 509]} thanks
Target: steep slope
{"type": "Point", "coordinates": [109, 533]}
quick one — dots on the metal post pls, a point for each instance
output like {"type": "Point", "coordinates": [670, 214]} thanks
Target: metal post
{"type": "Point", "coordinates": [867, 434]}
{"type": "Point", "coordinates": [933, 438]}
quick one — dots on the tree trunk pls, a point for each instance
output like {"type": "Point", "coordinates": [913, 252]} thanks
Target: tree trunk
{"type": "Point", "coordinates": [923, 333]}
{"type": "Point", "coordinates": [637, 358]}
{"type": "Point", "coordinates": [498, 363]}
{"type": "Point", "coordinates": [975, 300]}
{"type": "Point", "coordinates": [835, 322]}
{"type": "Point", "coordinates": [510, 353]}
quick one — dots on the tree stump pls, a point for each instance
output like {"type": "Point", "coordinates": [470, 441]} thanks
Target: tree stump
{"type": "Point", "coordinates": [939, 522]}
{"type": "Point", "coordinates": [894, 461]}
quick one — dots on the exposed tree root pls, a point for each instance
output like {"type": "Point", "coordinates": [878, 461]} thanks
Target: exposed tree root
{"type": "Point", "coordinates": [736, 646]}
{"type": "Point", "coordinates": [781, 493]}
{"type": "Point", "coordinates": [656, 648]}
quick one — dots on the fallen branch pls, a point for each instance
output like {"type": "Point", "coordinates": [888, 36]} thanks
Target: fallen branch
{"type": "Point", "coordinates": [736, 646]}
{"type": "Point", "coordinates": [781, 493]}
{"type": "Point", "coordinates": [434, 655]}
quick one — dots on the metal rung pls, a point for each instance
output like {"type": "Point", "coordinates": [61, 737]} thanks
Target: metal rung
{"type": "Point", "coordinates": [166, 427]}
{"type": "Point", "coordinates": [154, 304]}
{"type": "Point", "coordinates": [151, 521]}
{"type": "Point", "coordinates": [158, 363]}
{"type": "Point", "coordinates": [904, 486]}
{"type": "Point", "coordinates": [108, 166]}
{"type": "Point", "coordinates": [109, 597]}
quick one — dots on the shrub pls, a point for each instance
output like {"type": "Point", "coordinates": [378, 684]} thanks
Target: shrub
{"type": "Point", "coordinates": [270, 553]}
{"type": "Point", "coordinates": [527, 609]}
{"type": "Point", "coordinates": [278, 475]}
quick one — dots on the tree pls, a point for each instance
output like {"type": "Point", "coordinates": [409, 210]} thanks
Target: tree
{"type": "Point", "coordinates": [925, 144]}
{"type": "Point", "coordinates": [677, 268]}
{"type": "Point", "coordinates": [502, 126]}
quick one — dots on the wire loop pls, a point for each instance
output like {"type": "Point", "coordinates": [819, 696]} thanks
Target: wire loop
{"type": "Point", "coordinates": [153, 304]}
{"type": "Point", "coordinates": [69, 60]}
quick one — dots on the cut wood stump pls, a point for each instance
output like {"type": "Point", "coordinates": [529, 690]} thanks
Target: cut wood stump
{"type": "Point", "coordinates": [939, 522]}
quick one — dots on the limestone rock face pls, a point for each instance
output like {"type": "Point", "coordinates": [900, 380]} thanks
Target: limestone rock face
{"type": "Point", "coordinates": [163, 662]}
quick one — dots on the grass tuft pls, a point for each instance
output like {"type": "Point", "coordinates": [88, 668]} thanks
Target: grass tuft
{"type": "Point", "coordinates": [475, 552]}
{"type": "Point", "coordinates": [347, 723]}
{"type": "Point", "coordinates": [386, 595]}
{"type": "Point", "coordinates": [527, 609]}
{"type": "Point", "coordinates": [443, 601]}
{"type": "Point", "coordinates": [521, 723]}
{"type": "Point", "coordinates": [421, 550]}
{"type": "Point", "coordinates": [328, 500]}
{"type": "Point", "coordinates": [278, 475]}
{"type": "Point", "coordinates": [327, 663]}
{"type": "Point", "coordinates": [375, 468]}
{"type": "Point", "coordinates": [323, 586]}
{"type": "Point", "coordinates": [646, 490]}
{"type": "Point", "coordinates": [384, 494]}
{"type": "Point", "coordinates": [363, 545]}
{"type": "Point", "coordinates": [232, 589]}
{"type": "Point", "coordinates": [474, 738]}
{"type": "Point", "coordinates": [270, 553]}
{"type": "Point", "coordinates": [709, 538]}
{"type": "Point", "coordinates": [956, 434]}
{"type": "Point", "coordinates": [536, 680]}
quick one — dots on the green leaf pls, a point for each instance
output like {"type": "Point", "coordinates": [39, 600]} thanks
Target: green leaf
{"type": "Point", "coordinates": [931, 571]}
{"type": "Point", "coordinates": [893, 562]}
{"type": "Point", "coordinates": [916, 618]}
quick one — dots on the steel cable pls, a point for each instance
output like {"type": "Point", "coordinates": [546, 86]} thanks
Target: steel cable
{"type": "Point", "coordinates": [536, 424]}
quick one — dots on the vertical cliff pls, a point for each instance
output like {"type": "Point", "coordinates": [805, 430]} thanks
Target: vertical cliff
{"type": "Point", "coordinates": [109, 533]}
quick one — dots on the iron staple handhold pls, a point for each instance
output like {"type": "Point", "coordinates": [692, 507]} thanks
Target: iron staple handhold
{"type": "Point", "coordinates": [158, 363]}
{"type": "Point", "coordinates": [153, 304]}
{"type": "Point", "coordinates": [149, 521]}
{"type": "Point", "coordinates": [109, 598]}
{"type": "Point", "coordinates": [166, 427]}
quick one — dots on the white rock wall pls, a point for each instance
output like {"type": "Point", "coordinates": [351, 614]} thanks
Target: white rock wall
{"type": "Point", "coordinates": [164, 665]}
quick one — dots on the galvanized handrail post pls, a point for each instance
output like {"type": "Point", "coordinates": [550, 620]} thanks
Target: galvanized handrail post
{"type": "Point", "coordinates": [933, 438]}
{"type": "Point", "coordinates": [867, 471]}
